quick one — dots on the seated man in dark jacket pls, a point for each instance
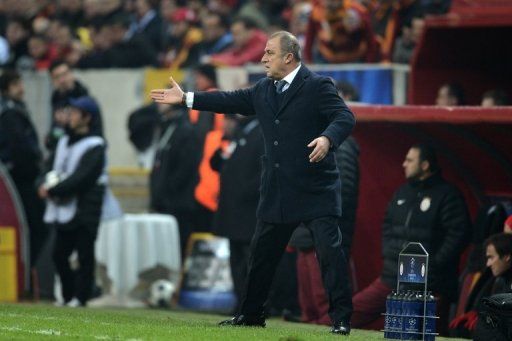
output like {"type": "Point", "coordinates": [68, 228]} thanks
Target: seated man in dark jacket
{"type": "Point", "coordinates": [426, 209]}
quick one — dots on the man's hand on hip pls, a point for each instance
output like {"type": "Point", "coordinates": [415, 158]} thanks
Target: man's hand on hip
{"type": "Point", "coordinates": [321, 147]}
{"type": "Point", "coordinates": [173, 95]}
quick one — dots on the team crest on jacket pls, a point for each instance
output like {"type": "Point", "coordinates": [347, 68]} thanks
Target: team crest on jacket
{"type": "Point", "coordinates": [425, 204]}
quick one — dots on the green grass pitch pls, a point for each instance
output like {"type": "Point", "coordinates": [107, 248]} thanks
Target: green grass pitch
{"type": "Point", "coordinates": [46, 322]}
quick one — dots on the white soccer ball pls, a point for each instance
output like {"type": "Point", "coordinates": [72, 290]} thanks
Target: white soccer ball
{"type": "Point", "coordinates": [160, 293]}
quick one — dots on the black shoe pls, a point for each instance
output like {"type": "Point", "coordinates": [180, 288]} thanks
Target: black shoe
{"type": "Point", "coordinates": [243, 320]}
{"type": "Point", "coordinates": [342, 328]}
{"type": "Point", "coordinates": [289, 316]}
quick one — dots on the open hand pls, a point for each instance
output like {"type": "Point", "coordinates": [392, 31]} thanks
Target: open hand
{"type": "Point", "coordinates": [173, 95]}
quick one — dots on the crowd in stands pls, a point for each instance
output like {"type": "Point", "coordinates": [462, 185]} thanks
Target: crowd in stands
{"type": "Point", "coordinates": [178, 33]}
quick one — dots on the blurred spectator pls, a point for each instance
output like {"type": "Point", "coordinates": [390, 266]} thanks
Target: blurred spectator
{"type": "Point", "coordinates": [174, 174]}
{"type": "Point", "coordinates": [405, 44]}
{"type": "Point", "coordinates": [17, 35]}
{"type": "Point", "coordinates": [216, 37]}
{"type": "Point", "coordinates": [340, 32]}
{"type": "Point", "coordinates": [21, 155]}
{"type": "Point", "coordinates": [70, 12]}
{"type": "Point", "coordinates": [101, 39]}
{"type": "Point", "coordinates": [450, 94]}
{"type": "Point", "coordinates": [384, 24]}
{"type": "Point", "coordinates": [67, 47]}
{"type": "Point", "coordinates": [205, 77]}
{"type": "Point", "coordinates": [495, 98]}
{"type": "Point", "coordinates": [347, 91]}
{"type": "Point", "coordinates": [428, 210]}
{"type": "Point", "coordinates": [248, 44]}
{"type": "Point", "coordinates": [74, 188]}
{"type": "Point", "coordinates": [255, 11]}
{"type": "Point", "coordinates": [42, 53]}
{"type": "Point", "coordinates": [235, 218]}
{"type": "Point", "coordinates": [497, 279]}
{"type": "Point", "coordinates": [148, 22]}
{"type": "Point", "coordinates": [65, 88]}
{"type": "Point", "coordinates": [300, 13]}
{"type": "Point", "coordinates": [143, 127]}
{"type": "Point", "coordinates": [128, 50]}
{"type": "Point", "coordinates": [181, 38]}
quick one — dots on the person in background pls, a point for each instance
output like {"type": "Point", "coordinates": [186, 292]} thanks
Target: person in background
{"type": "Point", "coordinates": [65, 87]}
{"type": "Point", "coordinates": [235, 218]}
{"type": "Point", "coordinates": [21, 154]}
{"type": "Point", "coordinates": [429, 210]}
{"type": "Point", "coordinates": [216, 37]}
{"type": "Point", "coordinates": [248, 42]}
{"type": "Point", "coordinates": [74, 188]}
{"type": "Point", "coordinates": [495, 98]}
{"type": "Point", "coordinates": [497, 279]}
{"type": "Point", "coordinates": [450, 94]}
{"type": "Point", "coordinates": [174, 174]}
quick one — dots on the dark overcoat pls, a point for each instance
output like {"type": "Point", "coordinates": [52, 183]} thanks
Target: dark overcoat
{"type": "Point", "coordinates": [292, 188]}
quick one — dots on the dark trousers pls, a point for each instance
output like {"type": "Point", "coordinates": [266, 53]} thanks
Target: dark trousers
{"type": "Point", "coordinates": [238, 259]}
{"type": "Point", "coordinates": [77, 285]}
{"type": "Point", "coordinates": [34, 210]}
{"type": "Point", "coordinates": [267, 247]}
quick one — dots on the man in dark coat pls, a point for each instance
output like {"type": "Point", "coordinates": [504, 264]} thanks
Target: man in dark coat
{"type": "Point", "coordinates": [21, 155]}
{"type": "Point", "coordinates": [303, 120]}
{"type": "Point", "coordinates": [428, 210]}
{"type": "Point", "coordinates": [235, 218]}
{"type": "Point", "coordinates": [174, 174]}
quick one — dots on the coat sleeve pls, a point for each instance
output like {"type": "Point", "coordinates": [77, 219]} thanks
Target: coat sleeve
{"type": "Point", "coordinates": [454, 219]}
{"type": "Point", "coordinates": [238, 101]}
{"type": "Point", "coordinates": [341, 119]}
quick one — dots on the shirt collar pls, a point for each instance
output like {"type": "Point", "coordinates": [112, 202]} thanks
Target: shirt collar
{"type": "Point", "coordinates": [291, 76]}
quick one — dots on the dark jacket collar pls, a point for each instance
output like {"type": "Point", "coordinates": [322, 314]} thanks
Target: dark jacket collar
{"type": "Point", "coordinates": [429, 182]}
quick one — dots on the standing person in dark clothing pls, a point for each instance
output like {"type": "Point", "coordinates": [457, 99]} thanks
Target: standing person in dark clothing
{"type": "Point", "coordinates": [303, 120]}
{"type": "Point", "coordinates": [74, 189]}
{"type": "Point", "coordinates": [65, 87]}
{"type": "Point", "coordinates": [313, 301]}
{"type": "Point", "coordinates": [235, 218]}
{"type": "Point", "coordinates": [174, 174]}
{"type": "Point", "coordinates": [21, 154]}
{"type": "Point", "coordinates": [428, 210]}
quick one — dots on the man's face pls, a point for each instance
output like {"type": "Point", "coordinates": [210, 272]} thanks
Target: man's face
{"type": "Point", "coordinates": [16, 90]}
{"type": "Point", "coordinates": [203, 83]}
{"type": "Point", "coordinates": [212, 28]}
{"type": "Point", "coordinates": [444, 98]}
{"type": "Point", "coordinates": [412, 165]}
{"type": "Point", "coordinates": [241, 34]}
{"type": "Point", "coordinates": [497, 264]}
{"type": "Point", "coordinates": [62, 78]}
{"type": "Point", "coordinates": [273, 60]}
{"type": "Point", "coordinates": [77, 121]}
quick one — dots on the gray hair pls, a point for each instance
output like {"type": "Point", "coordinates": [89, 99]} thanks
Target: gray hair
{"type": "Point", "coordinates": [289, 44]}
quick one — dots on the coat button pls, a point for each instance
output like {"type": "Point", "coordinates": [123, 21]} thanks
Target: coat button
{"type": "Point", "coordinates": [277, 121]}
{"type": "Point", "coordinates": [276, 143]}
{"type": "Point", "coordinates": [276, 164]}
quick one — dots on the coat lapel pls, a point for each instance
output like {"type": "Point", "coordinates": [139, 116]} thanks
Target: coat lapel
{"type": "Point", "coordinates": [270, 96]}
{"type": "Point", "coordinates": [297, 83]}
